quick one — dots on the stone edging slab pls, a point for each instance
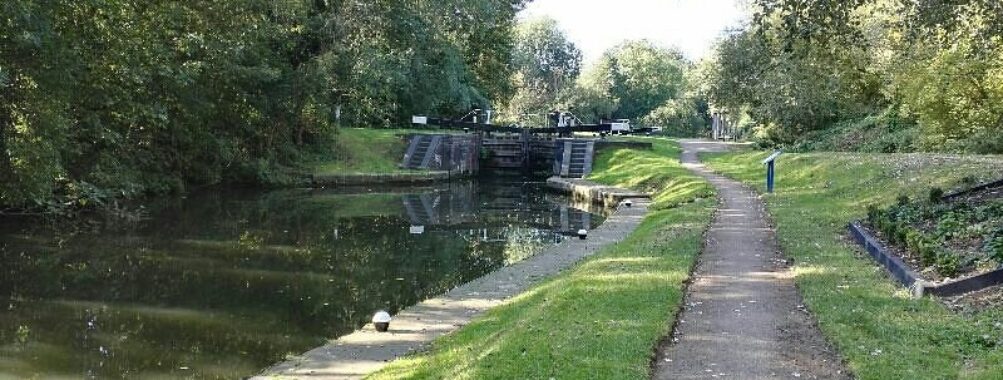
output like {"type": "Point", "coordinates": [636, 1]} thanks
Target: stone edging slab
{"type": "Point", "coordinates": [916, 284]}
{"type": "Point", "coordinates": [365, 351]}
{"type": "Point", "coordinates": [585, 190]}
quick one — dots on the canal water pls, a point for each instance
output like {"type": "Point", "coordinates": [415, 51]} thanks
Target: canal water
{"type": "Point", "coordinates": [225, 283]}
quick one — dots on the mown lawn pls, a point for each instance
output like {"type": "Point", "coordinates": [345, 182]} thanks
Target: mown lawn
{"type": "Point", "coordinates": [601, 319]}
{"type": "Point", "coordinates": [879, 329]}
{"type": "Point", "coordinates": [656, 171]}
{"type": "Point", "coordinates": [360, 150]}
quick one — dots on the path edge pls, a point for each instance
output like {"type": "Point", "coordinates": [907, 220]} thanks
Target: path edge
{"type": "Point", "coordinates": [786, 263]}
{"type": "Point", "coordinates": [633, 216]}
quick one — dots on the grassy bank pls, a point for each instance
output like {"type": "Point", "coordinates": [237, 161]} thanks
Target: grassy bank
{"type": "Point", "coordinates": [656, 171]}
{"type": "Point", "coordinates": [882, 333]}
{"type": "Point", "coordinates": [600, 319]}
{"type": "Point", "coordinates": [358, 150]}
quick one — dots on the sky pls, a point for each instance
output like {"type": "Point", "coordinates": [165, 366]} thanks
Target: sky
{"type": "Point", "coordinates": [597, 25]}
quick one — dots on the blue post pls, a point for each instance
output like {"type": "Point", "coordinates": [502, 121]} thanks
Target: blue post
{"type": "Point", "coordinates": [771, 172]}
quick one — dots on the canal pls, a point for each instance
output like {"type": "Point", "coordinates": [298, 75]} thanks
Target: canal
{"type": "Point", "coordinates": [222, 284]}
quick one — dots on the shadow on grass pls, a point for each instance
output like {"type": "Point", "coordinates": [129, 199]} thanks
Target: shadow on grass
{"type": "Point", "coordinates": [881, 332]}
{"type": "Point", "coordinates": [656, 171]}
{"type": "Point", "coordinates": [602, 318]}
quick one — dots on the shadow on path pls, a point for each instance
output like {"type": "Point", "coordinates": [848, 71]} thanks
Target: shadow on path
{"type": "Point", "coordinates": [743, 316]}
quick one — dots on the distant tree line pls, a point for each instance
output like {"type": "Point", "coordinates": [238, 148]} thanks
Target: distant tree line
{"type": "Point", "coordinates": [109, 98]}
{"type": "Point", "coordinates": [637, 80]}
{"type": "Point", "coordinates": [881, 75]}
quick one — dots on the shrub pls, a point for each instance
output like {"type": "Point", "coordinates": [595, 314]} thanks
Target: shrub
{"type": "Point", "coordinates": [904, 224]}
{"type": "Point", "coordinates": [936, 195]}
{"type": "Point", "coordinates": [948, 264]}
{"type": "Point", "coordinates": [914, 241]}
{"type": "Point", "coordinates": [873, 213]}
{"type": "Point", "coordinates": [929, 253]}
{"type": "Point", "coordinates": [994, 246]}
{"type": "Point", "coordinates": [902, 234]}
{"type": "Point", "coordinates": [950, 225]}
{"type": "Point", "coordinates": [903, 200]}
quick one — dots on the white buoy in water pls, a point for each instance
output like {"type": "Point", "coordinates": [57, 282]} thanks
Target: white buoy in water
{"type": "Point", "coordinates": [628, 203]}
{"type": "Point", "coordinates": [582, 234]}
{"type": "Point", "coordinates": [382, 321]}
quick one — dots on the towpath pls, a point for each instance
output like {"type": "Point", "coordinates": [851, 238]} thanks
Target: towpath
{"type": "Point", "coordinates": [743, 316]}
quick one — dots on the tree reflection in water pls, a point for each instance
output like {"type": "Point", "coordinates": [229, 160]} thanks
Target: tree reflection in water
{"type": "Point", "coordinates": [225, 283]}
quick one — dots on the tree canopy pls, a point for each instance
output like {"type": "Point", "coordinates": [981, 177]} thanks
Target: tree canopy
{"type": "Point", "coordinates": [545, 65]}
{"type": "Point", "coordinates": [922, 74]}
{"type": "Point", "coordinates": [126, 96]}
{"type": "Point", "coordinates": [645, 83]}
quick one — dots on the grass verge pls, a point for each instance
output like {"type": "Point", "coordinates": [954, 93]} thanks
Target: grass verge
{"type": "Point", "coordinates": [879, 329]}
{"type": "Point", "coordinates": [600, 319]}
{"type": "Point", "coordinates": [656, 171]}
{"type": "Point", "coordinates": [361, 150]}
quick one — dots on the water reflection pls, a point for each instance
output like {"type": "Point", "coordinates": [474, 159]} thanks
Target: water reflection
{"type": "Point", "coordinates": [225, 283]}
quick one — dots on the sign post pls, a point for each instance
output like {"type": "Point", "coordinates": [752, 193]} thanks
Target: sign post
{"type": "Point", "coordinates": [771, 172]}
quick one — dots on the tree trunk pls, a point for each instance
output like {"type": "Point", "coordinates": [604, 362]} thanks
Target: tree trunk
{"type": "Point", "coordinates": [7, 100]}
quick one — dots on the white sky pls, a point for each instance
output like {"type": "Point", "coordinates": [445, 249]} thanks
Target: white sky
{"type": "Point", "coordinates": [597, 25]}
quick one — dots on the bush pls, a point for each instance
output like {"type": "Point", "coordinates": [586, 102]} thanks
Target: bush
{"type": "Point", "coordinates": [948, 264]}
{"type": "Point", "coordinates": [936, 195]}
{"type": "Point", "coordinates": [994, 246]}
{"type": "Point", "coordinates": [903, 200]}
{"type": "Point", "coordinates": [928, 231]}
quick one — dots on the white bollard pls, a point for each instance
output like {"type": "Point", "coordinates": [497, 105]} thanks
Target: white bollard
{"type": "Point", "coordinates": [382, 321]}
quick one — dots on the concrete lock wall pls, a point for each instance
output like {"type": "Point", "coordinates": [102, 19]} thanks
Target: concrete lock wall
{"type": "Point", "coordinates": [456, 154]}
{"type": "Point", "coordinates": [466, 154]}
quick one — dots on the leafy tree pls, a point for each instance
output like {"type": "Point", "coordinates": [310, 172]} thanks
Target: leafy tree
{"type": "Point", "coordinates": [806, 66]}
{"type": "Point", "coordinates": [630, 81]}
{"type": "Point", "coordinates": [648, 76]}
{"type": "Point", "coordinates": [104, 98]}
{"type": "Point", "coordinates": [546, 65]}
{"type": "Point", "coordinates": [684, 117]}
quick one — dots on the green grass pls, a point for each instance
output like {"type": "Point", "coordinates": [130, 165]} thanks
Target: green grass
{"type": "Point", "coordinates": [600, 319]}
{"type": "Point", "coordinates": [656, 171]}
{"type": "Point", "coordinates": [878, 328]}
{"type": "Point", "coordinates": [884, 132]}
{"type": "Point", "coordinates": [359, 150]}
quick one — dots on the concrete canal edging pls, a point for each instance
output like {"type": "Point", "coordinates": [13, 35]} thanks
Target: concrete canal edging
{"type": "Point", "coordinates": [585, 190]}
{"type": "Point", "coordinates": [365, 351]}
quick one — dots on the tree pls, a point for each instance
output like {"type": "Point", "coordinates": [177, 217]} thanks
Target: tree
{"type": "Point", "coordinates": [102, 98]}
{"type": "Point", "coordinates": [807, 66]}
{"type": "Point", "coordinates": [546, 64]}
{"type": "Point", "coordinates": [630, 81]}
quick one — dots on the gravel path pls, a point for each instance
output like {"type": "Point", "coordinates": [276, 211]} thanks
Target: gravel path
{"type": "Point", "coordinates": [743, 316]}
{"type": "Point", "coordinates": [365, 351]}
